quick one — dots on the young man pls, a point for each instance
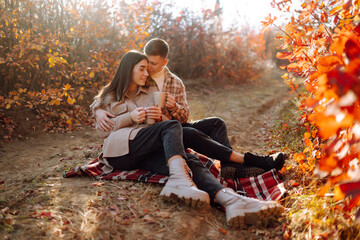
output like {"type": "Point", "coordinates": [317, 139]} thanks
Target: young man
{"type": "Point", "coordinates": [177, 108]}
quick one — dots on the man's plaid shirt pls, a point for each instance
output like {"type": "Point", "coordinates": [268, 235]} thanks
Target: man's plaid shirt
{"type": "Point", "coordinates": [174, 86]}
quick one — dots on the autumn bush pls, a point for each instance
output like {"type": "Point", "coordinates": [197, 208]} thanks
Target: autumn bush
{"type": "Point", "coordinates": [322, 43]}
{"type": "Point", "coordinates": [55, 55]}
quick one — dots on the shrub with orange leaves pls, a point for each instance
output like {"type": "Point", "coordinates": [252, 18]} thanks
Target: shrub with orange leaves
{"type": "Point", "coordinates": [322, 43]}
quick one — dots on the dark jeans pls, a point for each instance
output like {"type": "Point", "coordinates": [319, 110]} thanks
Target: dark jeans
{"type": "Point", "coordinates": [209, 137]}
{"type": "Point", "coordinates": [162, 140]}
{"type": "Point", "coordinates": [213, 127]}
{"type": "Point", "coordinates": [149, 151]}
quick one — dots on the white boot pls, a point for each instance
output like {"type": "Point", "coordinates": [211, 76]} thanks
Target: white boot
{"type": "Point", "coordinates": [242, 210]}
{"type": "Point", "coordinates": [180, 186]}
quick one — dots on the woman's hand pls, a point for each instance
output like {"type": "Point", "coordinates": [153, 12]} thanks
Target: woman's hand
{"type": "Point", "coordinates": [138, 115]}
{"type": "Point", "coordinates": [153, 112]}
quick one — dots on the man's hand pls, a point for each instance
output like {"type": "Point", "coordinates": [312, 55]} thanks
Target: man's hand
{"type": "Point", "coordinates": [138, 115]}
{"type": "Point", "coordinates": [103, 120]}
{"type": "Point", "coordinates": [153, 112]}
{"type": "Point", "coordinates": [170, 102]}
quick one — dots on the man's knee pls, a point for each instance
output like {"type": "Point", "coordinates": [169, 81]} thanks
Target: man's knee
{"type": "Point", "coordinates": [190, 132]}
{"type": "Point", "coordinates": [218, 121]}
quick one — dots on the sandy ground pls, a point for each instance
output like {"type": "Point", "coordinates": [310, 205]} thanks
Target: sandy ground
{"type": "Point", "coordinates": [38, 203]}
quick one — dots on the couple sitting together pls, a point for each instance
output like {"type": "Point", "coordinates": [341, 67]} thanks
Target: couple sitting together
{"type": "Point", "coordinates": [121, 109]}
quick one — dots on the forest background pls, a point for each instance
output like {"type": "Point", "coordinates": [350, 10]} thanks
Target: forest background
{"type": "Point", "coordinates": [55, 55]}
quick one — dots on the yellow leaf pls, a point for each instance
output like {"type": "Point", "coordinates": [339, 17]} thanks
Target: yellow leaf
{"type": "Point", "coordinates": [71, 101]}
{"type": "Point", "coordinates": [56, 53]}
{"type": "Point", "coordinates": [8, 106]}
{"type": "Point", "coordinates": [57, 42]}
{"type": "Point", "coordinates": [67, 87]}
{"type": "Point", "coordinates": [82, 89]}
{"type": "Point", "coordinates": [69, 122]}
{"type": "Point", "coordinates": [338, 194]}
{"type": "Point", "coordinates": [92, 74]}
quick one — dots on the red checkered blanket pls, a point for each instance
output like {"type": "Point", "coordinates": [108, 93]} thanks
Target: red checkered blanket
{"type": "Point", "coordinates": [267, 186]}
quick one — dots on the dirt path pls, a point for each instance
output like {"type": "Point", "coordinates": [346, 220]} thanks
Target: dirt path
{"type": "Point", "coordinates": [38, 203]}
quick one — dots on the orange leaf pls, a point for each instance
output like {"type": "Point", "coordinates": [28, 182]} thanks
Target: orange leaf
{"type": "Point", "coordinates": [299, 157]}
{"type": "Point", "coordinates": [327, 63]}
{"type": "Point", "coordinates": [306, 135]}
{"type": "Point", "coordinates": [324, 189]}
{"type": "Point", "coordinates": [283, 55]}
{"type": "Point", "coordinates": [335, 10]}
{"type": "Point", "coordinates": [329, 125]}
{"type": "Point", "coordinates": [328, 163]}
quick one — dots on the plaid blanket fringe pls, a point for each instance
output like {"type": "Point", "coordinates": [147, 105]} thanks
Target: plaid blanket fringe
{"type": "Point", "coordinates": [267, 186]}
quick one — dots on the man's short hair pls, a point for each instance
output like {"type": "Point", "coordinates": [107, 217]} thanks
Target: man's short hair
{"type": "Point", "coordinates": [157, 47]}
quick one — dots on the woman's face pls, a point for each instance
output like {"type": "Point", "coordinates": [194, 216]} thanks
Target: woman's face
{"type": "Point", "coordinates": [140, 73]}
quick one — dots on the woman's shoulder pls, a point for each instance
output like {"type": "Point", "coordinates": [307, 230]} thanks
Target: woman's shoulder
{"type": "Point", "coordinates": [109, 98]}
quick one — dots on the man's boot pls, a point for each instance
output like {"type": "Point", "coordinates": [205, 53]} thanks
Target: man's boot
{"type": "Point", "coordinates": [266, 162]}
{"type": "Point", "coordinates": [181, 187]}
{"type": "Point", "coordinates": [235, 170]}
{"type": "Point", "coordinates": [242, 210]}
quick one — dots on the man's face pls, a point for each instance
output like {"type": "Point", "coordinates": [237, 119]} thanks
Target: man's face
{"type": "Point", "coordinates": [156, 64]}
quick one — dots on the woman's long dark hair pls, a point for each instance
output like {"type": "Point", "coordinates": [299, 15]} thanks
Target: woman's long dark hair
{"type": "Point", "coordinates": [123, 76]}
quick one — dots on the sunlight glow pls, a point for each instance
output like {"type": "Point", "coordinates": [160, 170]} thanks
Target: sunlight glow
{"type": "Point", "coordinates": [241, 12]}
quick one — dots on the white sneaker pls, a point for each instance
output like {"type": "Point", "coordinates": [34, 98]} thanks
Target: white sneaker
{"type": "Point", "coordinates": [242, 210]}
{"type": "Point", "coordinates": [181, 187]}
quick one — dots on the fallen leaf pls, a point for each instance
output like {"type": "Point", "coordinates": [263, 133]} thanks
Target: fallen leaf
{"type": "Point", "coordinates": [98, 184]}
{"type": "Point", "coordinates": [163, 214]}
{"type": "Point", "coordinates": [46, 214]}
{"type": "Point", "coordinates": [149, 219]}
{"type": "Point", "coordinates": [223, 231]}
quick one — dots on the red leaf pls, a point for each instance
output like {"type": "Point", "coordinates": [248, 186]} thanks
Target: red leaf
{"type": "Point", "coordinates": [323, 17]}
{"type": "Point", "coordinates": [352, 50]}
{"type": "Point", "coordinates": [46, 214]}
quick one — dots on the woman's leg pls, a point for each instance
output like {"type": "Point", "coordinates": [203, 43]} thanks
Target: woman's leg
{"type": "Point", "coordinates": [166, 138]}
{"type": "Point", "coordinates": [161, 138]}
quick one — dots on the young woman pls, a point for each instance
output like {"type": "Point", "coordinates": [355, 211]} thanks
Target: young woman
{"type": "Point", "coordinates": [134, 144]}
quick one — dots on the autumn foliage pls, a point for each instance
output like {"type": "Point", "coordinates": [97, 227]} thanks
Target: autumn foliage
{"type": "Point", "coordinates": [55, 55]}
{"type": "Point", "coordinates": [322, 43]}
